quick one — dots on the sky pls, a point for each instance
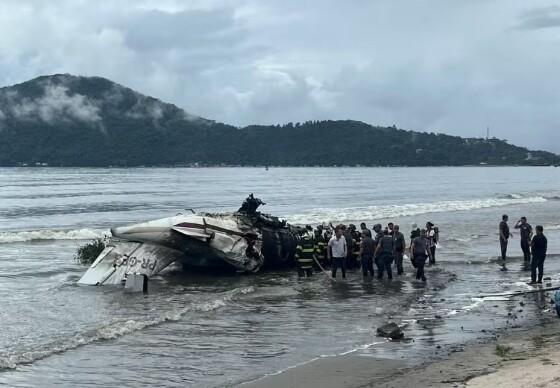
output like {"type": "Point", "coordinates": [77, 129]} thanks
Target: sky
{"type": "Point", "coordinates": [455, 67]}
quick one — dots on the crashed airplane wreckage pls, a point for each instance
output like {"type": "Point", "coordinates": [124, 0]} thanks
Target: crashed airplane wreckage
{"type": "Point", "coordinates": [244, 241]}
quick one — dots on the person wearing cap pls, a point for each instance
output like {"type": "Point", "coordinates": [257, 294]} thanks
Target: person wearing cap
{"type": "Point", "coordinates": [377, 233]}
{"type": "Point", "coordinates": [525, 232]}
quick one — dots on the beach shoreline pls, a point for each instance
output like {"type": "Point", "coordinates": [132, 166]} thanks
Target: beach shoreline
{"type": "Point", "coordinates": [516, 356]}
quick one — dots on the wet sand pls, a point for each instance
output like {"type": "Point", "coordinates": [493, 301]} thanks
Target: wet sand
{"type": "Point", "coordinates": [518, 357]}
{"type": "Point", "coordinates": [331, 372]}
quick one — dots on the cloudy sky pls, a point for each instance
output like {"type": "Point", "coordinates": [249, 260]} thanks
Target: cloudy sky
{"type": "Point", "coordinates": [433, 65]}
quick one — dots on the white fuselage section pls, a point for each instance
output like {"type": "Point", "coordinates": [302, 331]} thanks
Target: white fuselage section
{"type": "Point", "coordinates": [148, 247]}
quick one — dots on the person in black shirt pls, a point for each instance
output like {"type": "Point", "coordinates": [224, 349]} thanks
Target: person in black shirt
{"type": "Point", "coordinates": [419, 252]}
{"type": "Point", "coordinates": [377, 231]}
{"type": "Point", "coordinates": [399, 249]}
{"type": "Point", "coordinates": [384, 253]}
{"type": "Point", "coordinates": [347, 234]}
{"type": "Point", "coordinates": [367, 251]}
{"type": "Point", "coordinates": [364, 228]}
{"type": "Point", "coordinates": [390, 227]}
{"type": "Point", "coordinates": [525, 232]}
{"type": "Point", "coordinates": [504, 237]}
{"type": "Point", "coordinates": [538, 248]}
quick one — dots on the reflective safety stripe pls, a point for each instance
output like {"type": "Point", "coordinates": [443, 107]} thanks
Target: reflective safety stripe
{"type": "Point", "coordinates": [305, 260]}
{"type": "Point", "coordinates": [308, 250]}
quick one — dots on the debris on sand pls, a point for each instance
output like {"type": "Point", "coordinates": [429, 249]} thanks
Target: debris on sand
{"type": "Point", "coordinates": [390, 330]}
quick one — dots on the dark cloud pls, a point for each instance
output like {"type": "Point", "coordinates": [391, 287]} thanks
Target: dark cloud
{"type": "Point", "coordinates": [538, 18]}
{"type": "Point", "coordinates": [452, 67]}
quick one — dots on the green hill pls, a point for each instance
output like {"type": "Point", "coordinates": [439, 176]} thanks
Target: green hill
{"type": "Point", "coordinates": [65, 120]}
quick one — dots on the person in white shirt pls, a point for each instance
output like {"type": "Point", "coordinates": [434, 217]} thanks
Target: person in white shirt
{"type": "Point", "coordinates": [337, 252]}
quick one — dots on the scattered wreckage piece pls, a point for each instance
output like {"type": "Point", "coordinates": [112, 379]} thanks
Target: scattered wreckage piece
{"type": "Point", "coordinates": [390, 330]}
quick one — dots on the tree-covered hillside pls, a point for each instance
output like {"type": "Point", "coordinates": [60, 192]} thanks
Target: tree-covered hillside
{"type": "Point", "coordinates": [64, 120]}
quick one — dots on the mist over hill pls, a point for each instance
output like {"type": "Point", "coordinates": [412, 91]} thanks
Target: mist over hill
{"type": "Point", "coordinates": [65, 120]}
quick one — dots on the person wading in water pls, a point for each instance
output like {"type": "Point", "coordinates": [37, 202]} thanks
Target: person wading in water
{"type": "Point", "coordinates": [337, 252]}
{"type": "Point", "coordinates": [538, 248]}
{"type": "Point", "coordinates": [525, 232]}
{"type": "Point", "coordinates": [504, 237]}
{"type": "Point", "coordinates": [385, 255]}
{"type": "Point", "coordinates": [367, 251]}
{"type": "Point", "coordinates": [400, 243]}
{"type": "Point", "coordinates": [419, 251]}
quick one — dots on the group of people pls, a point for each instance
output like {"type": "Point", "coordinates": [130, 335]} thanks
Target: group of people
{"type": "Point", "coordinates": [534, 246]}
{"type": "Point", "coordinates": [344, 247]}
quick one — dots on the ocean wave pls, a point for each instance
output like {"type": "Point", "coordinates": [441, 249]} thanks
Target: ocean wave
{"type": "Point", "coordinates": [10, 360]}
{"type": "Point", "coordinates": [465, 240]}
{"type": "Point", "coordinates": [511, 196]}
{"type": "Point", "coordinates": [51, 234]}
{"type": "Point", "coordinates": [393, 211]}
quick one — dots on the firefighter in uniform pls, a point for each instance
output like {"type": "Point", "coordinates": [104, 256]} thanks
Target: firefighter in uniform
{"type": "Point", "coordinates": [305, 251]}
{"type": "Point", "coordinates": [356, 240]}
{"type": "Point", "coordinates": [320, 245]}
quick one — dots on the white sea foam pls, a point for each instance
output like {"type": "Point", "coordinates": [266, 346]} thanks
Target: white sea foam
{"type": "Point", "coordinates": [10, 360]}
{"type": "Point", "coordinates": [52, 234]}
{"type": "Point", "coordinates": [392, 211]}
{"type": "Point", "coordinates": [476, 302]}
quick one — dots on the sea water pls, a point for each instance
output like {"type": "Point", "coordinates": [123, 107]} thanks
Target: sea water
{"type": "Point", "coordinates": [204, 331]}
